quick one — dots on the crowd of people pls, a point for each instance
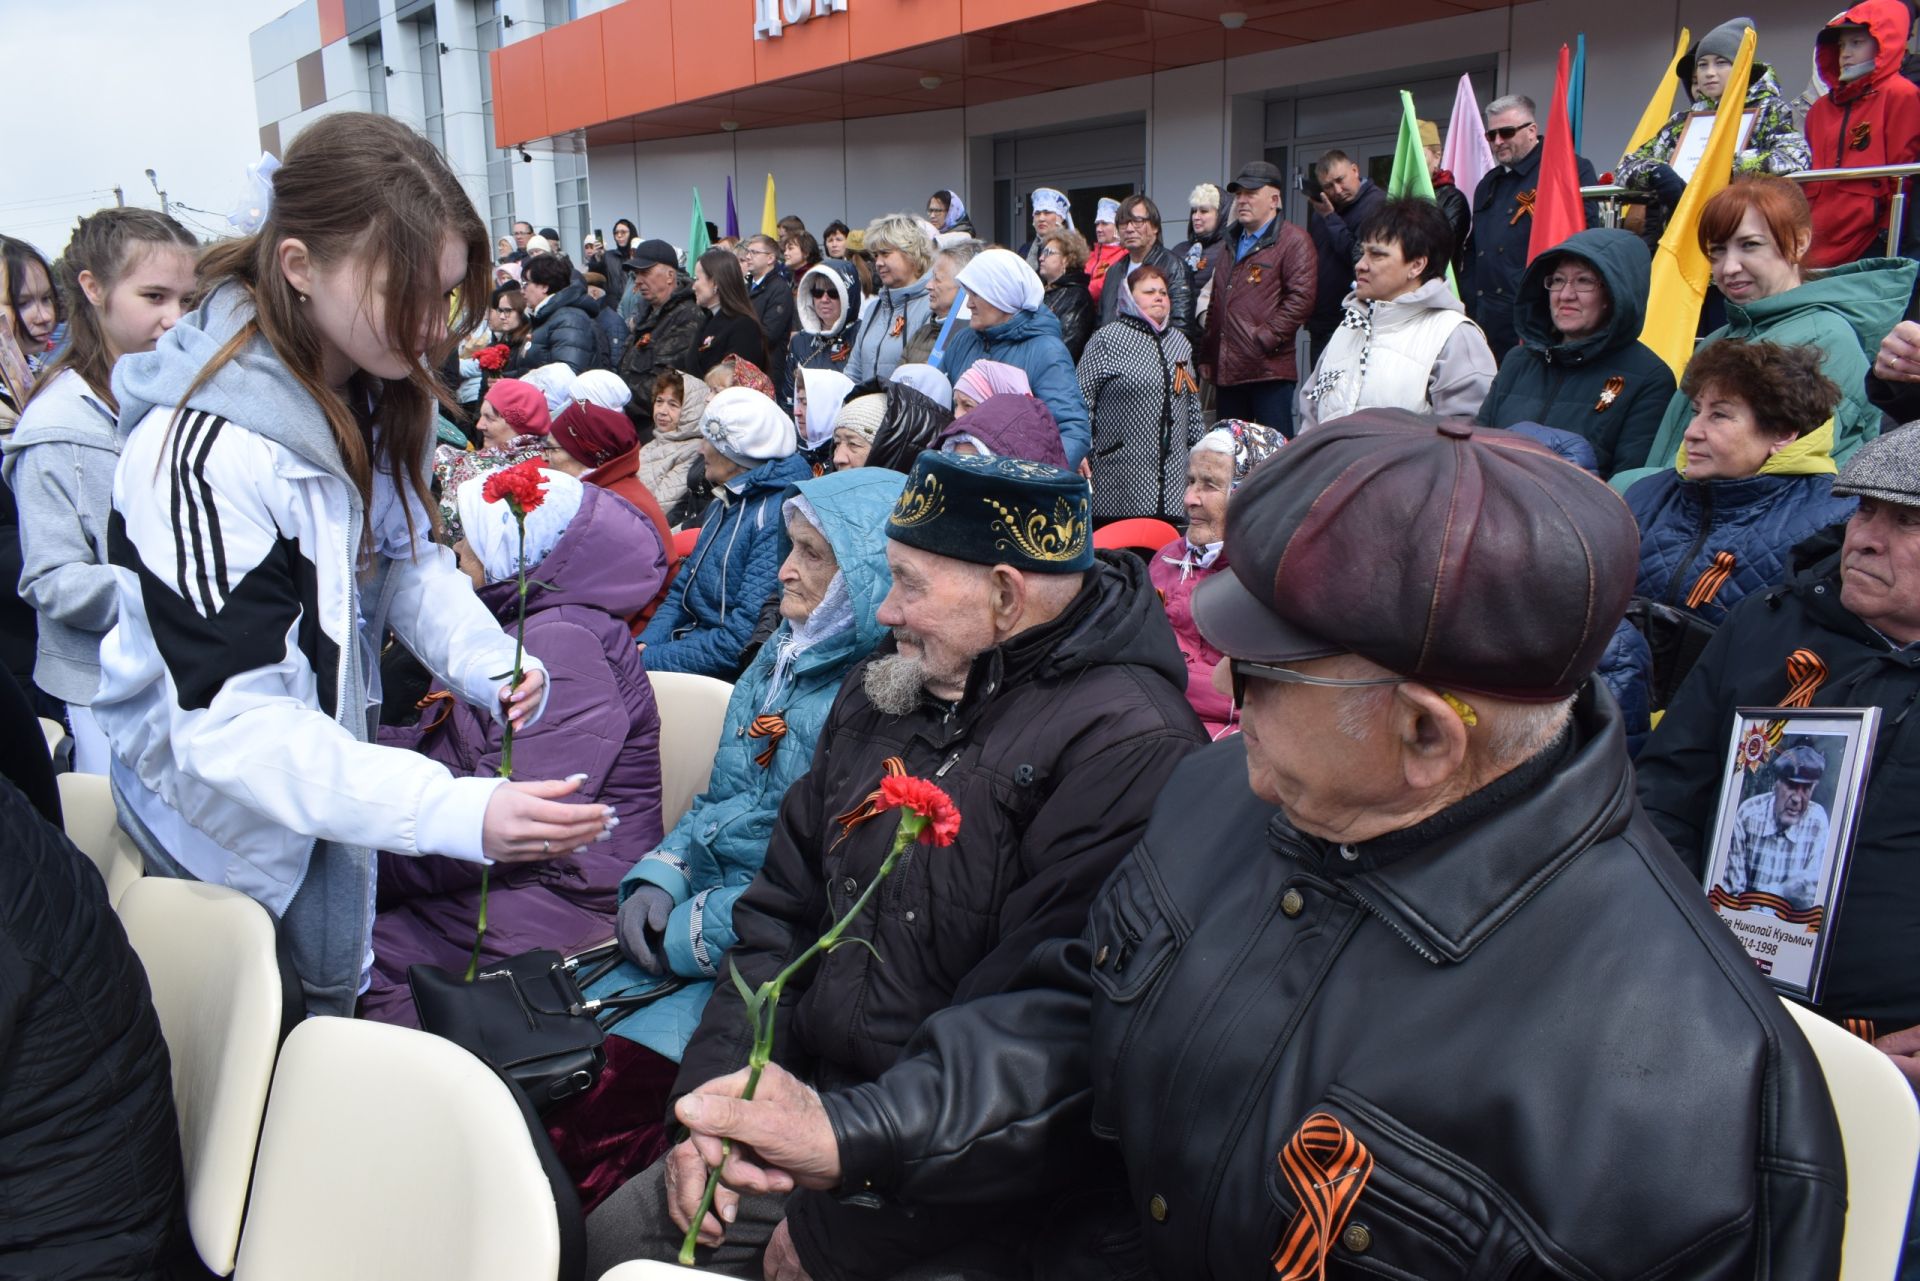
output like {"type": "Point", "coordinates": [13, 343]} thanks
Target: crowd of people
{"type": "Point", "coordinates": [1455, 573]}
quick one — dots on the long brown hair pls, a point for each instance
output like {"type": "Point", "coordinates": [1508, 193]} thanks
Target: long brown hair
{"type": "Point", "coordinates": [729, 284]}
{"type": "Point", "coordinates": [361, 185]}
{"type": "Point", "coordinates": [104, 243]}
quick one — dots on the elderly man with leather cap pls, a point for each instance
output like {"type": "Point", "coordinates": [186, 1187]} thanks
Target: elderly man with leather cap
{"type": "Point", "coordinates": [1400, 982]}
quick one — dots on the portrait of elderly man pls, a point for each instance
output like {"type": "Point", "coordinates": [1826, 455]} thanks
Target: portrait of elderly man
{"type": "Point", "coordinates": [1041, 686]}
{"type": "Point", "coordinates": [1400, 981]}
{"type": "Point", "coordinates": [1780, 835]}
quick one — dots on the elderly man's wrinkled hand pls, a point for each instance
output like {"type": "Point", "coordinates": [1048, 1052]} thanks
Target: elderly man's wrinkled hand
{"type": "Point", "coordinates": [1899, 356]}
{"type": "Point", "coordinates": [1903, 1047]}
{"type": "Point", "coordinates": [686, 1184]}
{"type": "Point", "coordinates": [781, 1139]}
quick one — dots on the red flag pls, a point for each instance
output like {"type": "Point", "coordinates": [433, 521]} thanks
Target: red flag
{"type": "Point", "coordinates": [1557, 210]}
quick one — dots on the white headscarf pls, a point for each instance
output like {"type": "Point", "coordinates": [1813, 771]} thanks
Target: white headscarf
{"type": "Point", "coordinates": [924, 379]}
{"type": "Point", "coordinates": [748, 428]}
{"type": "Point", "coordinates": [555, 382]}
{"type": "Point", "coordinates": [494, 536]}
{"type": "Point", "coordinates": [956, 210]}
{"type": "Point", "coordinates": [827, 390]}
{"type": "Point", "coordinates": [601, 387]}
{"type": "Point", "coordinates": [1003, 279]}
{"type": "Point", "coordinates": [1046, 198]}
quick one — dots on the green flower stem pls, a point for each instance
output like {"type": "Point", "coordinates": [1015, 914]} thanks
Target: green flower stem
{"type": "Point", "coordinates": [766, 1003]}
{"type": "Point", "coordinates": [506, 742]}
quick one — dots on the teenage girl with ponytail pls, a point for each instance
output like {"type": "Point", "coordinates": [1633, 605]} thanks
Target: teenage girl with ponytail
{"type": "Point", "coordinates": [271, 520]}
{"type": "Point", "coordinates": [126, 276]}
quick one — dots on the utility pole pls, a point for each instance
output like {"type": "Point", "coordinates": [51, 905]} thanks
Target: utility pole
{"type": "Point", "coordinates": [119, 198]}
{"type": "Point", "coordinates": [164, 209]}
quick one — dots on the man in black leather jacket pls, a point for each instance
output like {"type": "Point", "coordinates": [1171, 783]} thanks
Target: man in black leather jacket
{"type": "Point", "coordinates": [1406, 950]}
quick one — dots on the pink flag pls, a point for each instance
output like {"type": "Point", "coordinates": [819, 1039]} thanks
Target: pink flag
{"type": "Point", "coordinates": [1466, 155]}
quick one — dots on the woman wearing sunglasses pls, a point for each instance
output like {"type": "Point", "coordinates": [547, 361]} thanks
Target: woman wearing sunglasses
{"type": "Point", "coordinates": [828, 306]}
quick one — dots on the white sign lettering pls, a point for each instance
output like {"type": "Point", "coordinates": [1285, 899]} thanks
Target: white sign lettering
{"type": "Point", "coordinates": [771, 17]}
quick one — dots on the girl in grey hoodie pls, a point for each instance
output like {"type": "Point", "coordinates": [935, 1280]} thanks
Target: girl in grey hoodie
{"type": "Point", "coordinates": [127, 274]}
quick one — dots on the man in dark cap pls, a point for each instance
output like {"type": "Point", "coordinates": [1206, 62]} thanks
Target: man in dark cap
{"type": "Point", "coordinates": [1399, 982]}
{"type": "Point", "coordinates": [1845, 632]}
{"type": "Point", "coordinates": [663, 338]}
{"type": "Point", "coordinates": [1780, 836]}
{"type": "Point", "coordinates": [1042, 687]}
{"type": "Point", "coordinates": [1263, 283]}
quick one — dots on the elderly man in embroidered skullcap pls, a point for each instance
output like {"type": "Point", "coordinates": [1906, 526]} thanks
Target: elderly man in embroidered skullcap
{"type": "Point", "coordinates": [1845, 632]}
{"type": "Point", "coordinates": [1399, 981]}
{"type": "Point", "coordinates": [1039, 684]}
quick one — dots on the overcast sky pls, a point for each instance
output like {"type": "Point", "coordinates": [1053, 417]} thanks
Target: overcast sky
{"type": "Point", "coordinates": [99, 91]}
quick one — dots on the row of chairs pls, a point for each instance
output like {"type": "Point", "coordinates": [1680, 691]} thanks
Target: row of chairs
{"type": "Point", "coordinates": [351, 1149]}
{"type": "Point", "coordinates": [359, 1149]}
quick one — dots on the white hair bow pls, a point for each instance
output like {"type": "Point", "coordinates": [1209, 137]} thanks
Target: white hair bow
{"type": "Point", "coordinates": [251, 213]}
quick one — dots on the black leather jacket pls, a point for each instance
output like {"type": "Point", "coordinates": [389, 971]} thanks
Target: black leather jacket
{"type": "Point", "coordinates": [1067, 298]}
{"type": "Point", "coordinates": [1561, 1062]}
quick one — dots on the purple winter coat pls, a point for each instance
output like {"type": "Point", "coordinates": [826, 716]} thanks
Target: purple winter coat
{"type": "Point", "coordinates": [600, 720]}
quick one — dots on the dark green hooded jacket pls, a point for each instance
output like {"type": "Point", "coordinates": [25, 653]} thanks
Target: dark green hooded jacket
{"type": "Point", "coordinates": [1566, 384]}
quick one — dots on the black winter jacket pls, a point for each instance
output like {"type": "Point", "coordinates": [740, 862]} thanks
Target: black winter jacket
{"type": "Point", "coordinates": [724, 334]}
{"type": "Point", "coordinates": [1053, 755]}
{"type": "Point", "coordinates": [1336, 245]}
{"type": "Point", "coordinates": [910, 424]}
{"type": "Point", "coordinates": [1179, 289]}
{"type": "Point", "coordinates": [663, 338]}
{"type": "Point", "coordinates": [1877, 932]}
{"type": "Point", "coordinates": [1560, 1061]}
{"type": "Point", "coordinates": [1073, 306]}
{"type": "Point", "coordinates": [772, 301]}
{"type": "Point", "coordinates": [1608, 387]}
{"type": "Point", "coordinates": [90, 1176]}
{"type": "Point", "coordinates": [567, 329]}
{"type": "Point", "coordinates": [1200, 253]}
{"type": "Point", "coordinates": [1453, 203]}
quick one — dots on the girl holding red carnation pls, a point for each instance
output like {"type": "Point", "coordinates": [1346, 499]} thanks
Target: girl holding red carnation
{"type": "Point", "coordinates": [272, 522]}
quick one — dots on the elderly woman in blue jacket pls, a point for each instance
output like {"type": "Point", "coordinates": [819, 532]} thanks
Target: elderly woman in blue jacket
{"type": "Point", "coordinates": [703, 626]}
{"type": "Point", "coordinates": [676, 918]}
{"type": "Point", "coordinates": [1011, 317]}
{"type": "Point", "coordinates": [1754, 477]}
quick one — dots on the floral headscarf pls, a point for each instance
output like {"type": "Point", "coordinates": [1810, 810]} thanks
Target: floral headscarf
{"type": "Point", "coordinates": [1248, 444]}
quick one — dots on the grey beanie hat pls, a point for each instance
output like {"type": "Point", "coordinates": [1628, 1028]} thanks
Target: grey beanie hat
{"type": "Point", "coordinates": [1886, 468]}
{"type": "Point", "coordinates": [1724, 40]}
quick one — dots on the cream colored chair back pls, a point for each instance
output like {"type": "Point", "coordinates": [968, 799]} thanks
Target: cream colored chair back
{"type": "Point", "coordinates": [55, 733]}
{"type": "Point", "coordinates": [393, 1155]}
{"type": "Point", "coordinates": [692, 711]}
{"type": "Point", "coordinates": [93, 825]}
{"type": "Point", "coordinates": [209, 956]}
{"type": "Point", "coordinates": [1880, 1126]}
{"type": "Point", "coordinates": [642, 1270]}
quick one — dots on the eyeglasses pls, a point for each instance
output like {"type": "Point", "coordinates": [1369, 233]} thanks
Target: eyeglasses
{"type": "Point", "coordinates": [1051, 251]}
{"type": "Point", "coordinates": [757, 251]}
{"type": "Point", "coordinates": [821, 291]}
{"type": "Point", "coordinates": [1135, 220]}
{"type": "Point", "coordinates": [1505, 132]}
{"type": "Point", "coordinates": [1240, 669]}
{"type": "Point", "coordinates": [1581, 286]}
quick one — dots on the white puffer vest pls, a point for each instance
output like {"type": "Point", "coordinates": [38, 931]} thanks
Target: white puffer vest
{"type": "Point", "coordinates": [1383, 354]}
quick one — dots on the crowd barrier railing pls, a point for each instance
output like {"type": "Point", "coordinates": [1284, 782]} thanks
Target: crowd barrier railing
{"type": "Point", "coordinates": [1612, 197]}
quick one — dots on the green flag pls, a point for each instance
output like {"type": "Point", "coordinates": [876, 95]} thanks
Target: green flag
{"type": "Point", "coordinates": [1410, 176]}
{"type": "Point", "coordinates": [697, 242]}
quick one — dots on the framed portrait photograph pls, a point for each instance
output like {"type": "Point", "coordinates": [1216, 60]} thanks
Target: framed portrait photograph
{"type": "Point", "coordinates": [1694, 137]}
{"type": "Point", "coordinates": [1783, 834]}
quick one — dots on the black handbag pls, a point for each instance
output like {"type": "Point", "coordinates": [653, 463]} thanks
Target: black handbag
{"type": "Point", "coordinates": [527, 1016]}
{"type": "Point", "coordinates": [1677, 638]}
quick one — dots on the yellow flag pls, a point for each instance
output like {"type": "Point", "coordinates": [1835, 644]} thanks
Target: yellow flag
{"type": "Point", "coordinates": [1680, 269]}
{"type": "Point", "coordinates": [1660, 107]}
{"type": "Point", "coordinates": [769, 215]}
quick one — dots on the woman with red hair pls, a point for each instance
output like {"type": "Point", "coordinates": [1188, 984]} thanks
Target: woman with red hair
{"type": "Point", "coordinates": [1757, 233]}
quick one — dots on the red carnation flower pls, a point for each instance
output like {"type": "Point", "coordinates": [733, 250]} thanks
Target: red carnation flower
{"type": "Point", "coordinates": [522, 485]}
{"type": "Point", "coordinates": [919, 797]}
{"type": "Point", "coordinates": [493, 359]}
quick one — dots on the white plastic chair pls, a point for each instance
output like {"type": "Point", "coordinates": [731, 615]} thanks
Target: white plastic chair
{"type": "Point", "coordinates": [692, 711]}
{"type": "Point", "coordinates": [393, 1155]}
{"type": "Point", "coordinates": [641, 1270]}
{"type": "Point", "coordinates": [1880, 1128]}
{"type": "Point", "coordinates": [93, 825]}
{"type": "Point", "coordinates": [208, 951]}
{"type": "Point", "coordinates": [55, 733]}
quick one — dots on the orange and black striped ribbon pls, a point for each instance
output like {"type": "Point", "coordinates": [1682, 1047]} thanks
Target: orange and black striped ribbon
{"type": "Point", "coordinates": [892, 767]}
{"type": "Point", "coordinates": [1326, 1169]}
{"type": "Point", "coordinates": [1811, 917]}
{"type": "Point", "coordinates": [1711, 580]}
{"type": "Point", "coordinates": [1806, 672]}
{"type": "Point", "coordinates": [1862, 1028]}
{"type": "Point", "coordinates": [773, 728]}
{"type": "Point", "coordinates": [441, 701]}
{"type": "Point", "coordinates": [1523, 205]}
